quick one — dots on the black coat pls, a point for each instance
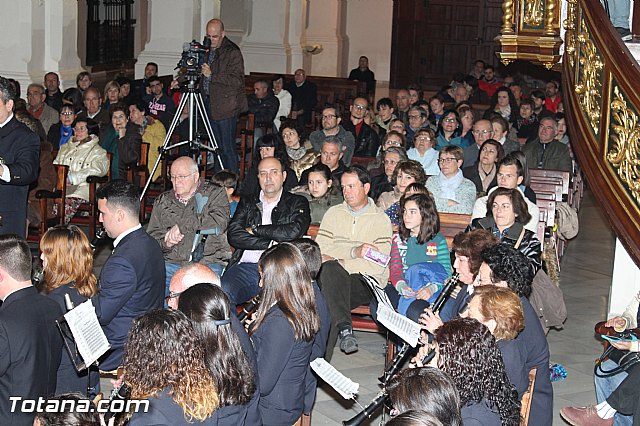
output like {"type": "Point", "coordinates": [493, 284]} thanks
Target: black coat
{"type": "Point", "coordinates": [290, 220]}
{"type": "Point", "coordinates": [367, 142]}
{"type": "Point", "coordinates": [20, 152]}
{"type": "Point", "coordinates": [319, 347]}
{"type": "Point", "coordinates": [265, 109]}
{"type": "Point", "coordinates": [379, 185]}
{"type": "Point", "coordinates": [30, 351]}
{"type": "Point", "coordinates": [473, 175]}
{"type": "Point", "coordinates": [304, 97]}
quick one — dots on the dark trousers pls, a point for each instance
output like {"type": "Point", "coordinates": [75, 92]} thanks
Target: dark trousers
{"type": "Point", "coordinates": [343, 292]}
{"type": "Point", "coordinates": [626, 397]}
{"type": "Point", "coordinates": [240, 283]}
{"type": "Point", "coordinates": [225, 134]}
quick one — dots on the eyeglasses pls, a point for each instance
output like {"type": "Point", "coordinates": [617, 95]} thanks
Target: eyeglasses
{"type": "Point", "coordinates": [34, 95]}
{"type": "Point", "coordinates": [482, 132]}
{"type": "Point", "coordinates": [67, 113]}
{"type": "Point", "coordinates": [180, 177]}
{"type": "Point", "coordinates": [446, 160]}
{"type": "Point", "coordinates": [415, 117]}
{"type": "Point", "coordinates": [360, 107]}
{"type": "Point", "coordinates": [173, 295]}
{"type": "Point", "coordinates": [424, 138]}
{"type": "Point", "coordinates": [449, 120]}
{"type": "Point", "coordinates": [328, 116]}
{"type": "Point", "coordinates": [393, 143]}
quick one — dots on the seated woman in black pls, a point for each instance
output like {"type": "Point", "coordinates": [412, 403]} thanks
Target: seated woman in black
{"type": "Point", "coordinates": [208, 308]}
{"type": "Point", "coordinates": [164, 363]}
{"type": "Point", "coordinates": [283, 333]}
{"type": "Point", "coordinates": [483, 173]}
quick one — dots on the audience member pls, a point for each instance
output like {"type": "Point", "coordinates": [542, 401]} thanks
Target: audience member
{"type": "Point", "coordinates": [67, 262]}
{"type": "Point", "coordinates": [283, 333]}
{"type": "Point", "coordinates": [552, 97]}
{"type": "Point", "coordinates": [363, 73]}
{"type": "Point", "coordinates": [403, 104]}
{"type": "Point", "coordinates": [405, 173]}
{"type": "Point", "coordinates": [346, 233]}
{"type": "Point", "coordinates": [331, 155]}
{"type": "Point", "coordinates": [477, 72]}
{"type": "Point", "coordinates": [385, 115]}
{"type": "Point", "coordinates": [517, 91]}
{"type": "Point", "coordinates": [160, 104]}
{"type": "Point", "coordinates": [229, 181]}
{"type": "Point", "coordinates": [299, 150]}
{"type": "Point", "coordinates": [189, 222]}
{"type": "Point", "coordinates": [165, 364]}
{"type": "Point", "coordinates": [60, 133]}
{"type": "Point", "coordinates": [84, 157]}
{"type": "Point", "coordinates": [273, 216]}
{"type": "Point", "coordinates": [484, 173]}
{"type": "Point", "coordinates": [482, 130]}
{"type": "Point", "coordinates": [501, 134]}
{"type": "Point", "coordinates": [393, 155]}
{"type": "Point", "coordinates": [331, 128]}
{"type": "Point", "coordinates": [415, 418]}
{"type": "Point", "coordinates": [83, 81]}
{"type": "Point", "coordinates": [264, 105]}
{"type": "Point", "coordinates": [392, 138]}
{"type": "Point", "coordinates": [93, 108]}
{"type": "Point", "coordinates": [503, 104]}
{"type": "Point", "coordinates": [111, 94]}
{"type": "Point", "coordinates": [436, 108]}
{"type": "Point", "coordinates": [424, 152]}
{"type": "Point", "coordinates": [303, 97]}
{"type": "Point", "coordinates": [126, 95]}
{"type": "Point", "coordinates": [73, 96]}
{"type": "Point", "coordinates": [19, 150]}
{"type": "Point", "coordinates": [53, 92]}
{"type": "Point", "coordinates": [321, 192]}
{"type": "Point", "coordinates": [223, 83]}
{"type": "Point", "coordinates": [527, 124]}
{"type": "Point", "coordinates": [153, 133]}
{"type": "Point", "coordinates": [31, 342]}
{"type": "Point", "coordinates": [141, 86]}
{"type": "Point", "coordinates": [366, 139]}
{"type": "Point", "coordinates": [539, 99]}
{"type": "Point", "coordinates": [546, 152]}
{"type": "Point", "coordinates": [490, 83]}
{"type": "Point", "coordinates": [122, 138]}
{"type": "Point", "coordinates": [562, 135]}
{"type": "Point", "coordinates": [39, 109]}
{"type": "Point", "coordinates": [284, 97]}
{"type": "Point", "coordinates": [269, 145]}
{"type": "Point", "coordinates": [466, 124]}
{"type": "Point", "coordinates": [448, 131]}
{"type": "Point", "coordinates": [452, 192]}
{"type": "Point", "coordinates": [131, 278]}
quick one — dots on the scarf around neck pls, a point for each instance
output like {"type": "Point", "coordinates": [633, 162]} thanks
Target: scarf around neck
{"type": "Point", "coordinates": [449, 185]}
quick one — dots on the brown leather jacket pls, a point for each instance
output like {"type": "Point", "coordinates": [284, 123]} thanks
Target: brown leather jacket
{"type": "Point", "coordinates": [226, 90]}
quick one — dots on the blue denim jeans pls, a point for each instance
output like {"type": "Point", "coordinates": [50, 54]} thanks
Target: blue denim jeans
{"type": "Point", "coordinates": [606, 385]}
{"type": "Point", "coordinates": [225, 134]}
{"type": "Point", "coordinates": [171, 269]}
{"type": "Point", "coordinates": [240, 282]}
{"type": "Point", "coordinates": [619, 12]}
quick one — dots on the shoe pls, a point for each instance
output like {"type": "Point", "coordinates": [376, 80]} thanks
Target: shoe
{"type": "Point", "coordinates": [584, 416]}
{"type": "Point", "coordinates": [625, 34]}
{"type": "Point", "coordinates": [348, 341]}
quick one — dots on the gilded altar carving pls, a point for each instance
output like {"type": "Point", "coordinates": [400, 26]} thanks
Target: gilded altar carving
{"type": "Point", "coordinates": [533, 13]}
{"type": "Point", "coordinates": [570, 33]}
{"type": "Point", "coordinates": [507, 17]}
{"type": "Point", "coordinates": [589, 79]}
{"type": "Point", "coordinates": [624, 143]}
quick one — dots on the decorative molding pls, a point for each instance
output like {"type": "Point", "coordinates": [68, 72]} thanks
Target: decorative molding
{"type": "Point", "coordinates": [507, 17]}
{"type": "Point", "coordinates": [533, 13]}
{"type": "Point", "coordinates": [570, 34]}
{"type": "Point", "coordinates": [623, 150]}
{"type": "Point", "coordinates": [589, 78]}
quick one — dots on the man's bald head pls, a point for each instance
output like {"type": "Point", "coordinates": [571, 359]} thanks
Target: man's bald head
{"type": "Point", "coordinates": [188, 276]}
{"type": "Point", "coordinates": [215, 32]}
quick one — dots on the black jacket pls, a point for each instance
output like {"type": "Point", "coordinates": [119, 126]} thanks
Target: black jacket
{"type": "Point", "coordinates": [265, 109]}
{"type": "Point", "coordinates": [473, 175]}
{"type": "Point", "coordinates": [367, 141]}
{"type": "Point", "coordinates": [290, 220]}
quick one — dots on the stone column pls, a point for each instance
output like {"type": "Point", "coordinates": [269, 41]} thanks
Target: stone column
{"type": "Point", "coordinates": [325, 42]}
{"type": "Point", "coordinates": [265, 47]}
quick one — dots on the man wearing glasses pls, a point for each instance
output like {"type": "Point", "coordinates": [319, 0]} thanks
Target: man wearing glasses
{"type": "Point", "coordinates": [131, 278]}
{"type": "Point", "coordinates": [331, 128]}
{"type": "Point", "coordinates": [160, 104]}
{"type": "Point", "coordinates": [190, 221]}
{"type": "Point", "coordinates": [366, 139]}
{"type": "Point", "coordinates": [452, 192]}
{"type": "Point", "coordinates": [482, 131]}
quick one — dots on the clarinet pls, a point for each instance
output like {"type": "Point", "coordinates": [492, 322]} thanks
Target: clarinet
{"type": "Point", "coordinates": [248, 309]}
{"type": "Point", "coordinates": [398, 360]}
{"type": "Point", "coordinates": [371, 408]}
{"type": "Point", "coordinates": [101, 234]}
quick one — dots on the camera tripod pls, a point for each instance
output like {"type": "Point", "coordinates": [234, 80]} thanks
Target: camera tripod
{"type": "Point", "coordinates": [190, 96]}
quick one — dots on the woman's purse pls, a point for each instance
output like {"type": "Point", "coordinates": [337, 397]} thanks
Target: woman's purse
{"type": "Point", "coordinates": [624, 359]}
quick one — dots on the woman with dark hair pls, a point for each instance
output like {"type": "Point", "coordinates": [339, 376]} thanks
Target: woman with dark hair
{"type": "Point", "coordinates": [60, 133]}
{"type": "Point", "coordinates": [73, 96]}
{"type": "Point", "coordinates": [420, 260]}
{"type": "Point", "coordinates": [448, 130]}
{"type": "Point", "coordinates": [504, 104]}
{"type": "Point", "coordinates": [415, 418]}
{"type": "Point", "coordinates": [122, 139]}
{"type": "Point", "coordinates": [207, 307]}
{"type": "Point", "coordinates": [467, 352]}
{"type": "Point", "coordinates": [424, 151]}
{"type": "Point", "coordinates": [283, 333]}
{"type": "Point", "coordinates": [507, 215]}
{"type": "Point", "coordinates": [83, 81]}
{"type": "Point", "coordinates": [391, 139]}
{"type": "Point", "coordinates": [85, 157]}
{"type": "Point", "coordinates": [84, 412]}
{"type": "Point", "coordinates": [405, 173]}
{"type": "Point", "coordinates": [321, 191]}
{"type": "Point", "coordinates": [427, 389]}
{"type": "Point", "coordinates": [382, 182]}
{"type": "Point", "coordinates": [268, 145]}
{"type": "Point", "coordinates": [300, 154]}
{"type": "Point", "coordinates": [164, 363]}
{"type": "Point", "coordinates": [436, 108]}
{"type": "Point", "coordinates": [528, 123]}
{"type": "Point", "coordinates": [483, 173]}
{"type": "Point", "coordinates": [67, 262]}
{"type": "Point", "coordinates": [152, 132]}
{"type": "Point", "coordinates": [466, 125]}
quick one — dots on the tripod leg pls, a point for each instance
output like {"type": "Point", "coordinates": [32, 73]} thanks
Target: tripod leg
{"type": "Point", "coordinates": [207, 125]}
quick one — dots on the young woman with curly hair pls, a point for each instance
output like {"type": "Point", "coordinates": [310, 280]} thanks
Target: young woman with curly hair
{"type": "Point", "coordinates": [283, 333]}
{"type": "Point", "coordinates": [207, 307]}
{"type": "Point", "coordinates": [467, 352]}
{"type": "Point", "coordinates": [67, 261]}
{"type": "Point", "coordinates": [405, 173]}
{"type": "Point", "coordinates": [165, 363]}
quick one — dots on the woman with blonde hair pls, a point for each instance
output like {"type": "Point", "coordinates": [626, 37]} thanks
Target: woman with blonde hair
{"type": "Point", "coordinates": [67, 261]}
{"type": "Point", "coordinates": [164, 363]}
{"type": "Point", "coordinates": [283, 332]}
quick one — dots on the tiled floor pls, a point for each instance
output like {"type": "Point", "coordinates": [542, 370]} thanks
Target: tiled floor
{"type": "Point", "coordinates": [585, 280]}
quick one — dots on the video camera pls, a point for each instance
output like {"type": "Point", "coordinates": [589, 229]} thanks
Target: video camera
{"type": "Point", "coordinates": [193, 55]}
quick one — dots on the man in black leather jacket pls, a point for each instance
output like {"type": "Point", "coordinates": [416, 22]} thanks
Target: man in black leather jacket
{"type": "Point", "coordinates": [366, 138]}
{"type": "Point", "coordinates": [259, 222]}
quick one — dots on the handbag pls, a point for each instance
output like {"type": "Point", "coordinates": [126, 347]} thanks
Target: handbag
{"type": "Point", "coordinates": [624, 359]}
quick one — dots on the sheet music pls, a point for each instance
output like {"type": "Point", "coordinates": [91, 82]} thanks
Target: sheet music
{"type": "Point", "coordinates": [400, 325]}
{"type": "Point", "coordinates": [342, 384]}
{"type": "Point", "coordinates": [378, 293]}
{"type": "Point", "coordinates": [87, 333]}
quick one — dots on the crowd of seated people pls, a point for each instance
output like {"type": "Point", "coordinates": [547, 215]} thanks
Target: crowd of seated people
{"type": "Point", "coordinates": [373, 186]}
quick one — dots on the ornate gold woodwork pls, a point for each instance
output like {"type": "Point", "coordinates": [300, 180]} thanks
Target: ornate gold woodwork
{"type": "Point", "coordinates": [570, 32]}
{"type": "Point", "coordinates": [507, 17]}
{"type": "Point", "coordinates": [533, 13]}
{"type": "Point", "coordinates": [623, 150]}
{"type": "Point", "coordinates": [589, 79]}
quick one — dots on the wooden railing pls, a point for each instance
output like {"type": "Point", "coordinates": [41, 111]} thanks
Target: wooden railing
{"type": "Point", "coordinates": [602, 102]}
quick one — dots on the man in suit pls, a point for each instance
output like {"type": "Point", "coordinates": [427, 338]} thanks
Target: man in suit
{"type": "Point", "coordinates": [19, 164]}
{"type": "Point", "coordinates": [30, 344]}
{"type": "Point", "coordinates": [131, 281]}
